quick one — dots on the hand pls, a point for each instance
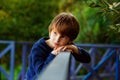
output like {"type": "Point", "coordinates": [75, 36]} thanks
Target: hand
{"type": "Point", "coordinates": [57, 50]}
{"type": "Point", "coordinates": [71, 48]}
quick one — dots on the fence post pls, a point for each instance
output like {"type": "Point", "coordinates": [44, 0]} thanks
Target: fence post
{"type": "Point", "coordinates": [24, 56]}
{"type": "Point", "coordinates": [12, 60]}
{"type": "Point", "coordinates": [117, 65]}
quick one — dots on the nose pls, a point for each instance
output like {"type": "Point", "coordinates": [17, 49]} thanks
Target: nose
{"type": "Point", "coordinates": [57, 38]}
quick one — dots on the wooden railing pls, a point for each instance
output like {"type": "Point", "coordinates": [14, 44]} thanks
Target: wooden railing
{"type": "Point", "coordinates": [105, 62]}
{"type": "Point", "coordinates": [10, 48]}
{"type": "Point", "coordinates": [58, 69]}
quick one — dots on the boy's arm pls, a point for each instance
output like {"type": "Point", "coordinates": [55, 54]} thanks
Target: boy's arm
{"type": "Point", "coordinates": [39, 59]}
{"type": "Point", "coordinates": [82, 55]}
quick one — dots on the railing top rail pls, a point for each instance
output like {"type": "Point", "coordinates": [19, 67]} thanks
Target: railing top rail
{"type": "Point", "coordinates": [24, 42]}
{"type": "Point", "coordinates": [99, 45]}
{"type": "Point", "coordinates": [81, 45]}
{"type": "Point", "coordinates": [5, 42]}
{"type": "Point", "coordinates": [17, 42]}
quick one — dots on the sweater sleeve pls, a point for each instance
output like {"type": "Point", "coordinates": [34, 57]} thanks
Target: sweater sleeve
{"type": "Point", "coordinates": [83, 56]}
{"type": "Point", "coordinates": [49, 59]}
{"type": "Point", "coordinates": [40, 59]}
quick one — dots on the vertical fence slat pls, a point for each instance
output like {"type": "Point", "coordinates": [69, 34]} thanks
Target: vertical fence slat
{"type": "Point", "coordinates": [117, 65]}
{"type": "Point", "coordinates": [12, 61]}
{"type": "Point", "coordinates": [24, 51]}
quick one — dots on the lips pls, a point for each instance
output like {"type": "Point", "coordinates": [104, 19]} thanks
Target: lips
{"type": "Point", "coordinates": [56, 44]}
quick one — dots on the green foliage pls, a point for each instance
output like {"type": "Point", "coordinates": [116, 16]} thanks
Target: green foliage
{"type": "Point", "coordinates": [28, 20]}
{"type": "Point", "coordinates": [17, 71]}
{"type": "Point", "coordinates": [25, 20]}
{"type": "Point", "coordinates": [109, 10]}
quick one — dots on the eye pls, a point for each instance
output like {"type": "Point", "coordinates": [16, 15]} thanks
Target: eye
{"type": "Point", "coordinates": [63, 36]}
{"type": "Point", "coordinates": [55, 32]}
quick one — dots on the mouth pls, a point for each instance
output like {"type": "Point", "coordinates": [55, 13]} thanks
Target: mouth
{"type": "Point", "coordinates": [56, 44]}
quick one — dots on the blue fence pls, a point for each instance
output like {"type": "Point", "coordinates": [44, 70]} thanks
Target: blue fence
{"type": "Point", "coordinates": [11, 48]}
{"type": "Point", "coordinates": [105, 61]}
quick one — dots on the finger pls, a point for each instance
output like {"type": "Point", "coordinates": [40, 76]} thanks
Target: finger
{"type": "Point", "coordinates": [58, 50]}
{"type": "Point", "coordinates": [64, 48]}
{"type": "Point", "coordinates": [69, 50]}
{"type": "Point", "coordinates": [61, 48]}
{"type": "Point", "coordinates": [55, 48]}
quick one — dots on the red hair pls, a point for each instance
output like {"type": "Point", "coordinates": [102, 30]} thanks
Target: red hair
{"type": "Point", "coordinates": [66, 24]}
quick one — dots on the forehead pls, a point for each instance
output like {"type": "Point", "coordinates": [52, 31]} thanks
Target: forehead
{"type": "Point", "coordinates": [59, 32]}
{"type": "Point", "coordinates": [56, 30]}
{"type": "Point", "coordinates": [62, 28]}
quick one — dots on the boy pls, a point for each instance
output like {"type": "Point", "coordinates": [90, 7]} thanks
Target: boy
{"type": "Point", "coordinates": [63, 30]}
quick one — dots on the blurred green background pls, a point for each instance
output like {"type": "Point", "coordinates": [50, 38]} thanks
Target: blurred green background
{"type": "Point", "coordinates": [28, 20]}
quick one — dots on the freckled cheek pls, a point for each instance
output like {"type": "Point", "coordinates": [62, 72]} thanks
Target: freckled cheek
{"type": "Point", "coordinates": [52, 37]}
{"type": "Point", "coordinates": [62, 43]}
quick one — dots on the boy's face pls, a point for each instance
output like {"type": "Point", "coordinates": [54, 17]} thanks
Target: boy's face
{"type": "Point", "coordinates": [57, 40]}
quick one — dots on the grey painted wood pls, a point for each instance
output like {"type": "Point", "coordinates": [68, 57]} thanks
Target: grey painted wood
{"type": "Point", "coordinates": [58, 69]}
